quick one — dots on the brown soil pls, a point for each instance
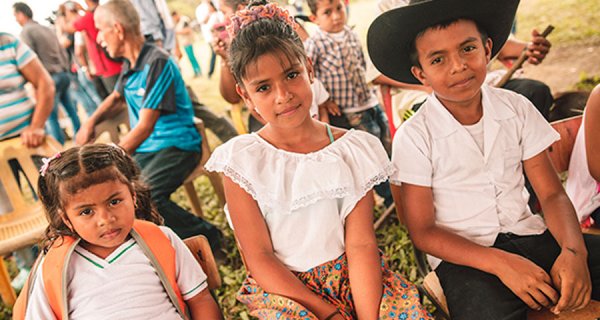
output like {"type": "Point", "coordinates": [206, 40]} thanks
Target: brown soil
{"type": "Point", "coordinates": [565, 64]}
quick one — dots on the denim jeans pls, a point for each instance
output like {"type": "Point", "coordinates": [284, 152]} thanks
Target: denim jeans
{"type": "Point", "coordinates": [474, 294]}
{"type": "Point", "coordinates": [61, 84]}
{"type": "Point", "coordinates": [85, 92]}
{"type": "Point", "coordinates": [164, 171]}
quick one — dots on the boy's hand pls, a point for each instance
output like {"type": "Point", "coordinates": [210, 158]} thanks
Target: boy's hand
{"type": "Point", "coordinates": [528, 281]}
{"type": "Point", "coordinates": [571, 276]}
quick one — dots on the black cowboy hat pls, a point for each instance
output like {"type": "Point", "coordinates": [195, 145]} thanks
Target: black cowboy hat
{"type": "Point", "coordinates": [391, 35]}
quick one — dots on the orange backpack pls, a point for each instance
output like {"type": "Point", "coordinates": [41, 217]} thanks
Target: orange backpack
{"type": "Point", "coordinates": [155, 244]}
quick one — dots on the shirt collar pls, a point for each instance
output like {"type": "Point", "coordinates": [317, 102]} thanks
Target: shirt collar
{"type": "Point", "coordinates": [141, 59]}
{"type": "Point", "coordinates": [443, 123]}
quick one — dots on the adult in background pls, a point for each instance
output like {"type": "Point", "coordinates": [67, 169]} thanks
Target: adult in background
{"type": "Point", "coordinates": [185, 37]}
{"type": "Point", "coordinates": [44, 42]}
{"type": "Point", "coordinates": [106, 71]}
{"type": "Point", "coordinates": [163, 139]}
{"type": "Point", "coordinates": [22, 116]}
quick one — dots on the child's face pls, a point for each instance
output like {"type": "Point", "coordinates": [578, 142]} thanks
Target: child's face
{"type": "Point", "coordinates": [102, 215]}
{"type": "Point", "coordinates": [453, 62]}
{"type": "Point", "coordinates": [278, 89]}
{"type": "Point", "coordinates": [330, 15]}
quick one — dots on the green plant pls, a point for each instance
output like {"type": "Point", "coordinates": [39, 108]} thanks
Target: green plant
{"type": "Point", "coordinates": [586, 82]}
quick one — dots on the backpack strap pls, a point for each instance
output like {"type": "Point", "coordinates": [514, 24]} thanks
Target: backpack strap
{"type": "Point", "coordinates": [158, 248]}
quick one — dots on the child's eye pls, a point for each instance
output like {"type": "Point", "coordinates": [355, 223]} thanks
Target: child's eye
{"type": "Point", "coordinates": [436, 60]}
{"type": "Point", "coordinates": [115, 202]}
{"type": "Point", "coordinates": [262, 88]}
{"type": "Point", "coordinates": [327, 12]}
{"type": "Point", "coordinates": [85, 212]}
{"type": "Point", "coordinates": [293, 74]}
{"type": "Point", "coordinates": [469, 48]}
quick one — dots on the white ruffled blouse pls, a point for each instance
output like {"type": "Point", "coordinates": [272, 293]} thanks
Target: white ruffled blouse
{"type": "Point", "coordinates": [304, 198]}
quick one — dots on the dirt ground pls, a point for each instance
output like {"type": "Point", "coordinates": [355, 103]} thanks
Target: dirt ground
{"type": "Point", "coordinates": [564, 65]}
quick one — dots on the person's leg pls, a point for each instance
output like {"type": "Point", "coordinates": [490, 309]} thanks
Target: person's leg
{"type": "Point", "coordinates": [67, 101]}
{"type": "Point", "coordinates": [592, 243]}
{"type": "Point", "coordinates": [537, 92]}
{"type": "Point", "coordinates": [164, 171]}
{"type": "Point", "coordinates": [474, 294]}
{"type": "Point", "coordinates": [189, 51]}
{"type": "Point", "coordinates": [213, 59]}
{"type": "Point", "coordinates": [87, 95]}
{"type": "Point", "coordinates": [110, 82]}
{"type": "Point", "coordinates": [52, 125]}
{"type": "Point", "coordinates": [100, 88]}
{"type": "Point", "coordinates": [220, 126]}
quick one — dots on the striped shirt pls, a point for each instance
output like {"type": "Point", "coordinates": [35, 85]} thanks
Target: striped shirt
{"type": "Point", "coordinates": [154, 82]}
{"type": "Point", "coordinates": [16, 108]}
{"type": "Point", "coordinates": [340, 64]}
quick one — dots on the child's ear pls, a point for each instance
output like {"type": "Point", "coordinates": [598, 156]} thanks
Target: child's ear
{"type": "Point", "coordinates": [65, 219]}
{"type": "Point", "coordinates": [488, 49]}
{"type": "Point", "coordinates": [244, 94]}
{"type": "Point", "coordinates": [419, 74]}
{"type": "Point", "coordinates": [312, 18]}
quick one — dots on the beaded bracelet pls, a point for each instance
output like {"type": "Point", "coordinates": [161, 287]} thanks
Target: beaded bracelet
{"type": "Point", "coordinates": [329, 317]}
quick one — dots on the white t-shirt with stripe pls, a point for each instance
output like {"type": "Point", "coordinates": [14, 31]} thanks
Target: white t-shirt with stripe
{"type": "Point", "coordinates": [123, 286]}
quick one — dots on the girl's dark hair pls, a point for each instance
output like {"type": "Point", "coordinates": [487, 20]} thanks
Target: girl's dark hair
{"type": "Point", "coordinates": [260, 36]}
{"type": "Point", "coordinates": [81, 167]}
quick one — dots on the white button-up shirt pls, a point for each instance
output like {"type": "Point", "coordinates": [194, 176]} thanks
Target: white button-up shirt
{"type": "Point", "coordinates": [476, 194]}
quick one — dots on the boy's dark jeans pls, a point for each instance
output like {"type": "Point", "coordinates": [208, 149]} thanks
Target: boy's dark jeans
{"type": "Point", "coordinates": [164, 171]}
{"type": "Point", "coordinates": [474, 294]}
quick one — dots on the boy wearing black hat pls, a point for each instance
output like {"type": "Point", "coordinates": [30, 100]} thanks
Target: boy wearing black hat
{"type": "Point", "coordinates": [460, 160]}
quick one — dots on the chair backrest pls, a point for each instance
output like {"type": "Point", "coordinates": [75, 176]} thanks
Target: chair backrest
{"type": "Point", "coordinates": [200, 248]}
{"type": "Point", "coordinates": [113, 125]}
{"type": "Point", "coordinates": [25, 221]}
{"type": "Point", "coordinates": [560, 151]}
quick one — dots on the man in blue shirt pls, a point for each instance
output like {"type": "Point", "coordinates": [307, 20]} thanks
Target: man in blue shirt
{"type": "Point", "coordinates": [163, 138]}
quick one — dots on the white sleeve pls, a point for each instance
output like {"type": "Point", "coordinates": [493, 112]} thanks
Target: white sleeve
{"type": "Point", "coordinates": [320, 93]}
{"type": "Point", "coordinates": [411, 157]}
{"type": "Point", "coordinates": [190, 276]}
{"type": "Point", "coordinates": [38, 306]}
{"type": "Point", "coordinates": [537, 134]}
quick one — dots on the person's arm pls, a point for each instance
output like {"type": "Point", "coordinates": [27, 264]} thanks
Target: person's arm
{"type": "Point", "coordinates": [226, 80]}
{"type": "Point", "coordinates": [523, 277]}
{"type": "Point", "coordinates": [384, 80]}
{"type": "Point", "coordinates": [364, 262]}
{"type": "Point", "coordinates": [592, 133]}
{"type": "Point", "coordinates": [270, 273]}
{"type": "Point", "coordinates": [142, 130]}
{"type": "Point", "coordinates": [107, 107]}
{"type": "Point", "coordinates": [570, 273]}
{"type": "Point", "coordinates": [537, 48]}
{"type": "Point", "coordinates": [33, 135]}
{"type": "Point", "coordinates": [203, 306]}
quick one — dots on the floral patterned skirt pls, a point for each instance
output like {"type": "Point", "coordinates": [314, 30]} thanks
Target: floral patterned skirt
{"type": "Point", "coordinates": [400, 298]}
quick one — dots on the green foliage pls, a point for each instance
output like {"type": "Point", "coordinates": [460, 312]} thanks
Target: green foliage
{"type": "Point", "coordinates": [575, 20]}
{"type": "Point", "coordinates": [586, 82]}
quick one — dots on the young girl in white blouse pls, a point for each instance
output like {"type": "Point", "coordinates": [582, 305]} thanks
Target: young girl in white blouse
{"type": "Point", "coordinates": [299, 192]}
